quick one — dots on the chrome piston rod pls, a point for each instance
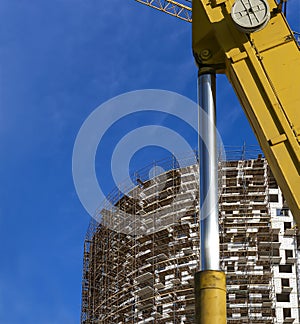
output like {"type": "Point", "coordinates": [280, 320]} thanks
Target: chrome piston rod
{"type": "Point", "coordinates": [210, 282]}
{"type": "Point", "coordinates": [208, 172]}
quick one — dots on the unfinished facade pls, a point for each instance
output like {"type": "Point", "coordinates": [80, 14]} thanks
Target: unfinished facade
{"type": "Point", "coordinates": [139, 261]}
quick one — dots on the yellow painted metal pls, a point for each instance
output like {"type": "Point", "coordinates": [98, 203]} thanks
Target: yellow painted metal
{"type": "Point", "coordinates": [264, 69]}
{"type": "Point", "coordinates": [210, 297]}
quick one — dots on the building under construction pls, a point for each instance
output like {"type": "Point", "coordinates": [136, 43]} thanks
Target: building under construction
{"type": "Point", "coordinates": [140, 259]}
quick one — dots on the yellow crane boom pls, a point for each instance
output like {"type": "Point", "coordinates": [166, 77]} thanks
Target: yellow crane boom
{"type": "Point", "coordinates": [263, 67]}
{"type": "Point", "coordinates": [264, 70]}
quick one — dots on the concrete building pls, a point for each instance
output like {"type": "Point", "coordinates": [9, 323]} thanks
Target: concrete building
{"type": "Point", "coordinates": [139, 261]}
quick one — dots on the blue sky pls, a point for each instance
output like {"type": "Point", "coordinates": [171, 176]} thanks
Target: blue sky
{"type": "Point", "coordinates": [59, 60]}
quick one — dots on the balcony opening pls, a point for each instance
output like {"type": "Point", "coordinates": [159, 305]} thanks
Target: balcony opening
{"type": "Point", "coordinates": [288, 254]}
{"type": "Point", "coordinates": [273, 198]}
{"type": "Point", "coordinates": [287, 313]}
{"type": "Point", "coordinates": [283, 298]}
{"type": "Point", "coordinates": [285, 282]}
{"type": "Point", "coordinates": [285, 268]}
{"type": "Point", "coordinates": [287, 225]}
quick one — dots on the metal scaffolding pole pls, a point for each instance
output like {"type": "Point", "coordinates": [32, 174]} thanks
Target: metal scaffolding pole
{"type": "Point", "coordinates": [210, 282]}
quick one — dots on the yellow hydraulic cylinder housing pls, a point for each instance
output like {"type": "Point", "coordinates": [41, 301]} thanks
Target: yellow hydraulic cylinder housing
{"type": "Point", "coordinates": [210, 295]}
{"type": "Point", "coordinates": [255, 48]}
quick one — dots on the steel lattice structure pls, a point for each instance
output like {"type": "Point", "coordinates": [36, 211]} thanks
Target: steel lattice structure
{"type": "Point", "coordinates": [181, 10]}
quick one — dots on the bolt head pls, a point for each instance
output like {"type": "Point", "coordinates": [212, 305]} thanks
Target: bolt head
{"type": "Point", "coordinates": [205, 54]}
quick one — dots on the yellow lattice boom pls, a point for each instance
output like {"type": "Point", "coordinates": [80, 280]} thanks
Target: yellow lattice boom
{"type": "Point", "coordinates": [181, 9]}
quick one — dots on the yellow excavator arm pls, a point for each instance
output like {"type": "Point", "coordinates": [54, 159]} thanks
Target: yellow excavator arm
{"type": "Point", "coordinates": [251, 42]}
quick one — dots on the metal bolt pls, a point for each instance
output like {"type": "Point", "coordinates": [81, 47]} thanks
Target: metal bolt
{"type": "Point", "coordinates": [205, 54]}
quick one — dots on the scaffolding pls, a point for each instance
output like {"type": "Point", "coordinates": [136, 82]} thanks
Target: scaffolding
{"type": "Point", "coordinates": [140, 259]}
{"type": "Point", "coordinates": [249, 245]}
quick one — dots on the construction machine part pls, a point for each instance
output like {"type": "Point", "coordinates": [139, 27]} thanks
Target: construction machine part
{"type": "Point", "coordinates": [210, 297]}
{"type": "Point", "coordinates": [264, 70]}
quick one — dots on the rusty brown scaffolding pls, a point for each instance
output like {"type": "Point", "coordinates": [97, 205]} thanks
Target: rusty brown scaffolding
{"type": "Point", "coordinates": [139, 261]}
